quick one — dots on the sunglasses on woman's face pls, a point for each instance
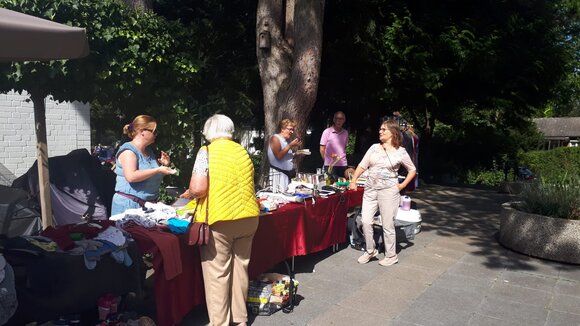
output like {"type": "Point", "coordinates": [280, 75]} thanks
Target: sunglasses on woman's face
{"type": "Point", "coordinates": [153, 131]}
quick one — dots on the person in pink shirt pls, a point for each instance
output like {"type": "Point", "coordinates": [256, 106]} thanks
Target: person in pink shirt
{"type": "Point", "coordinates": [333, 145]}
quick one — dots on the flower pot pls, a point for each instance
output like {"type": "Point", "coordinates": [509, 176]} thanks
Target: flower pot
{"type": "Point", "coordinates": [540, 236]}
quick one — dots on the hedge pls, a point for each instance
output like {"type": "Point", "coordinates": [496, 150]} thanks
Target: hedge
{"type": "Point", "coordinates": [558, 165]}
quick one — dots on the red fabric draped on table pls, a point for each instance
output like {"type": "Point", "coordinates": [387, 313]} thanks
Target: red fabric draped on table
{"type": "Point", "coordinates": [292, 230]}
{"type": "Point", "coordinates": [178, 282]}
{"type": "Point", "coordinates": [296, 230]}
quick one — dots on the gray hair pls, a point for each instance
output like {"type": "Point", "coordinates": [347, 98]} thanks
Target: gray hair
{"type": "Point", "coordinates": [218, 126]}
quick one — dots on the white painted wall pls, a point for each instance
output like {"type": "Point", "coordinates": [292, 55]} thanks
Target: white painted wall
{"type": "Point", "coordinates": [68, 127]}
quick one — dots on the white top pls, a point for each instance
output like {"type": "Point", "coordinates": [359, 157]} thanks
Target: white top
{"type": "Point", "coordinates": [383, 165]}
{"type": "Point", "coordinates": [286, 162]}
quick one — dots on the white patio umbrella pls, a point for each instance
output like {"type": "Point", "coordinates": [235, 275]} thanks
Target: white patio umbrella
{"type": "Point", "coordinates": [28, 38]}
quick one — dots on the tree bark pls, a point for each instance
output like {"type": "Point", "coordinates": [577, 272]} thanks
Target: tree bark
{"type": "Point", "coordinates": [290, 67]}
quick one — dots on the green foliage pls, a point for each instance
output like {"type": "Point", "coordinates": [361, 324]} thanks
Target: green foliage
{"type": "Point", "coordinates": [489, 177]}
{"type": "Point", "coordinates": [566, 101]}
{"type": "Point", "coordinates": [555, 165]}
{"type": "Point", "coordinates": [484, 68]}
{"type": "Point", "coordinates": [257, 162]}
{"type": "Point", "coordinates": [559, 199]}
{"type": "Point", "coordinates": [136, 58]}
{"type": "Point", "coordinates": [164, 197]}
{"type": "Point", "coordinates": [557, 193]}
{"type": "Point", "coordinates": [350, 144]}
{"type": "Point", "coordinates": [566, 94]}
{"type": "Point", "coordinates": [225, 40]}
{"type": "Point", "coordinates": [526, 139]}
{"type": "Point", "coordinates": [485, 177]}
{"type": "Point", "coordinates": [469, 73]}
{"type": "Point", "coordinates": [139, 63]}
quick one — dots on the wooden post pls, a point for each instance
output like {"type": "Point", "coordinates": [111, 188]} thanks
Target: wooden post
{"type": "Point", "coordinates": [42, 158]}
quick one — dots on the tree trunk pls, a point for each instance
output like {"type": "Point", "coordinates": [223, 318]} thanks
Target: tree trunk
{"type": "Point", "coordinates": [290, 64]}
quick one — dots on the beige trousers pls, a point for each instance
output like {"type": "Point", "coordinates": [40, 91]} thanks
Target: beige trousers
{"type": "Point", "coordinates": [387, 202]}
{"type": "Point", "coordinates": [224, 262]}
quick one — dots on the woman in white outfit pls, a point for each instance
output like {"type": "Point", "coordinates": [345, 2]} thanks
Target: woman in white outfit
{"type": "Point", "coordinates": [382, 189]}
{"type": "Point", "coordinates": [281, 154]}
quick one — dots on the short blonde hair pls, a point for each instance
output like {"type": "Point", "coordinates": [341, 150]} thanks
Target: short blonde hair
{"type": "Point", "coordinates": [218, 126]}
{"type": "Point", "coordinates": [140, 122]}
{"type": "Point", "coordinates": [285, 123]}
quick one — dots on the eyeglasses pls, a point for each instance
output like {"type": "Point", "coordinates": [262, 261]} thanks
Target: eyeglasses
{"type": "Point", "coordinates": [290, 129]}
{"type": "Point", "coordinates": [153, 131]}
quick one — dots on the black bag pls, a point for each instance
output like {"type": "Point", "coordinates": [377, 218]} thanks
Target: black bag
{"type": "Point", "coordinates": [291, 174]}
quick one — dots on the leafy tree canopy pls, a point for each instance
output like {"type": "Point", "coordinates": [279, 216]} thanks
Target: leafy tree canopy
{"type": "Point", "coordinates": [132, 54]}
{"type": "Point", "coordinates": [139, 63]}
{"type": "Point", "coordinates": [484, 68]}
{"type": "Point", "coordinates": [477, 70]}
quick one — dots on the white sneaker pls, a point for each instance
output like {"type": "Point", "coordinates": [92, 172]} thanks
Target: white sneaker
{"type": "Point", "coordinates": [366, 257]}
{"type": "Point", "coordinates": [388, 261]}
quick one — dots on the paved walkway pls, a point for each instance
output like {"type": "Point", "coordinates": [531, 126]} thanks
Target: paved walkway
{"type": "Point", "coordinates": [455, 273]}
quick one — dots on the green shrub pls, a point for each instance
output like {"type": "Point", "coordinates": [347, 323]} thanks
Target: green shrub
{"type": "Point", "coordinates": [165, 198]}
{"type": "Point", "coordinates": [555, 199]}
{"type": "Point", "coordinates": [485, 177]}
{"type": "Point", "coordinates": [489, 177]}
{"type": "Point", "coordinates": [554, 165]}
{"type": "Point", "coordinates": [256, 160]}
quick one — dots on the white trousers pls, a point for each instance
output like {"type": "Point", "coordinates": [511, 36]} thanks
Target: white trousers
{"type": "Point", "coordinates": [386, 201]}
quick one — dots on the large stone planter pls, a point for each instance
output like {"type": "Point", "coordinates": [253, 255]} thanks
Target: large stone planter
{"type": "Point", "coordinates": [540, 236]}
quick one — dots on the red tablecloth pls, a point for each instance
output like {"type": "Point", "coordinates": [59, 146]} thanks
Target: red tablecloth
{"type": "Point", "coordinates": [298, 229]}
{"type": "Point", "coordinates": [292, 230]}
{"type": "Point", "coordinates": [178, 282]}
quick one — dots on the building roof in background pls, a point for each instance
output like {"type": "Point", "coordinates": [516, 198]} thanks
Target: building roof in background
{"type": "Point", "coordinates": [559, 127]}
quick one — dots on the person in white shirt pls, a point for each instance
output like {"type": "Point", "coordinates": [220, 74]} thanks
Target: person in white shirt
{"type": "Point", "coordinates": [281, 153]}
{"type": "Point", "coordinates": [382, 189]}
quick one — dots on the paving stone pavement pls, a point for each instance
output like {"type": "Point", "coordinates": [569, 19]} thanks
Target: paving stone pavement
{"type": "Point", "coordinates": [454, 273]}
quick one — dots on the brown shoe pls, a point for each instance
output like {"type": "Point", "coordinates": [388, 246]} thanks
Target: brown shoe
{"type": "Point", "coordinates": [388, 261]}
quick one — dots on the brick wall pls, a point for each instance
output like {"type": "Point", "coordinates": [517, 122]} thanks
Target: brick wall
{"type": "Point", "coordinates": [68, 127]}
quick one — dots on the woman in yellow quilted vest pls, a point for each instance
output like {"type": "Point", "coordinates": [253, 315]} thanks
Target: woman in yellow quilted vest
{"type": "Point", "coordinates": [223, 183]}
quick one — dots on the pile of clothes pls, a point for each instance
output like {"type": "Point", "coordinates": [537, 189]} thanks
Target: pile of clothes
{"type": "Point", "coordinates": [8, 301]}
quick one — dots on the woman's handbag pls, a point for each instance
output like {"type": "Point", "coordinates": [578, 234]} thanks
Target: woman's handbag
{"type": "Point", "coordinates": [198, 232]}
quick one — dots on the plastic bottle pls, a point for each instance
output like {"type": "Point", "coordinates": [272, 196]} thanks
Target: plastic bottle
{"type": "Point", "coordinates": [406, 203]}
